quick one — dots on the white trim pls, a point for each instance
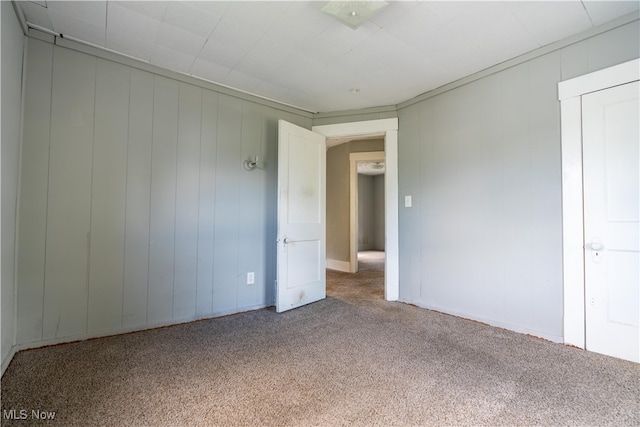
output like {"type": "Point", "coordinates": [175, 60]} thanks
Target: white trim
{"type": "Point", "coordinates": [391, 246]}
{"type": "Point", "coordinates": [354, 158]}
{"type": "Point", "coordinates": [334, 264]}
{"type": "Point", "coordinates": [609, 77]}
{"type": "Point", "coordinates": [572, 222]}
{"type": "Point", "coordinates": [570, 95]}
{"type": "Point", "coordinates": [369, 127]}
{"type": "Point", "coordinates": [390, 129]}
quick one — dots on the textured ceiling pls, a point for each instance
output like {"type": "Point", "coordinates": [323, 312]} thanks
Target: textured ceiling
{"type": "Point", "coordinates": [293, 53]}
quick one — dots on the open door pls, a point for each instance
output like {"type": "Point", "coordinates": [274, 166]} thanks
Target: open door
{"type": "Point", "coordinates": [301, 217]}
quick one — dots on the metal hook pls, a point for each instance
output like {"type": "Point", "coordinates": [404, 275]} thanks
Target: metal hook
{"type": "Point", "coordinates": [251, 164]}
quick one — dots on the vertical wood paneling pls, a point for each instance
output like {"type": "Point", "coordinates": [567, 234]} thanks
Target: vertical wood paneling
{"type": "Point", "coordinates": [68, 220]}
{"type": "Point", "coordinates": [516, 220]}
{"type": "Point", "coordinates": [163, 198]}
{"type": "Point", "coordinates": [55, 199]}
{"type": "Point", "coordinates": [270, 149]}
{"type": "Point", "coordinates": [607, 49]}
{"type": "Point", "coordinates": [228, 166]}
{"type": "Point", "coordinates": [207, 186]}
{"type": "Point", "coordinates": [12, 43]}
{"type": "Point", "coordinates": [409, 249]}
{"type": "Point", "coordinates": [108, 196]}
{"type": "Point", "coordinates": [489, 186]}
{"type": "Point", "coordinates": [250, 212]}
{"type": "Point", "coordinates": [546, 194]}
{"type": "Point", "coordinates": [489, 220]}
{"type": "Point", "coordinates": [135, 208]}
{"type": "Point", "coordinates": [427, 245]}
{"type": "Point", "coordinates": [187, 198]}
{"type": "Point", "coordinates": [136, 261]}
{"type": "Point", "coordinates": [33, 192]}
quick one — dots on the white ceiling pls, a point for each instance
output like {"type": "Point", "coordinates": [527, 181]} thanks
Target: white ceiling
{"type": "Point", "coordinates": [291, 52]}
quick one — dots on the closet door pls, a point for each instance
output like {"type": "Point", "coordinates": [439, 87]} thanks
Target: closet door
{"type": "Point", "coordinates": [612, 220]}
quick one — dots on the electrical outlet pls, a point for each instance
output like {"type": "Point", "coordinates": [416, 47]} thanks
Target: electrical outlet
{"type": "Point", "coordinates": [251, 278]}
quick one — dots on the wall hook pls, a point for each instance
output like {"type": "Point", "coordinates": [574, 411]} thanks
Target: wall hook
{"type": "Point", "coordinates": [251, 164]}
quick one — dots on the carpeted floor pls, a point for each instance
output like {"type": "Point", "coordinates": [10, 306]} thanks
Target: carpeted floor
{"type": "Point", "coordinates": [352, 359]}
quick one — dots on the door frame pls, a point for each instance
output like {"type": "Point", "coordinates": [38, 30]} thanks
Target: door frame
{"type": "Point", "coordinates": [570, 95]}
{"type": "Point", "coordinates": [388, 128]}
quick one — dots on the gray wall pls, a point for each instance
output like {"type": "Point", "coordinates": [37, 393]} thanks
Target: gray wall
{"type": "Point", "coordinates": [113, 235]}
{"type": "Point", "coordinates": [482, 162]}
{"type": "Point", "coordinates": [371, 212]}
{"type": "Point", "coordinates": [12, 42]}
{"type": "Point", "coordinates": [379, 217]}
{"type": "Point", "coordinates": [366, 213]}
{"type": "Point", "coordinates": [338, 227]}
{"type": "Point", "coordinates": [135, 209]}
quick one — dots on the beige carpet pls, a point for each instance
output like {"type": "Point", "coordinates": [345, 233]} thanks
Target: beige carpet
{"type": "Point", "coordinates": [352, 359]}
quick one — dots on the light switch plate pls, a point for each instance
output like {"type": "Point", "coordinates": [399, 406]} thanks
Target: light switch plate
{"type": "Point", "coordinates": [407, 201]}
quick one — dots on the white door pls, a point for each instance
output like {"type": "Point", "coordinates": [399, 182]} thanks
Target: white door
{"type": "Point", "coordinates": [612, 220]}
{"type": "Point", "coordinates": [301, 217]}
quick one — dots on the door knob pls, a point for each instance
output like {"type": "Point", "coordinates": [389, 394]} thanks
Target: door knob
{"type": "Point", "coordinates": [596, 246]}
{"type": "Point", "coordinates": [597, 254]}
{"type": "Point", "coordinates": [286, 240]}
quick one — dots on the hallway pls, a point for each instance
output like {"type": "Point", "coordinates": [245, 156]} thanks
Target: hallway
{"type": "Point", "coordinates": [367, 285]}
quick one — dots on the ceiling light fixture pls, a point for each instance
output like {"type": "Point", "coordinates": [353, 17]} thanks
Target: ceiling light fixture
{"type": "Point", "coordinates": [353, 13]}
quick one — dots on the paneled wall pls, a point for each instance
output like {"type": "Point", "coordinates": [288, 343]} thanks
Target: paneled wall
{"type": "Point", "coordinates": [483, 239]}
{"type": "Point", "coordinates": [135, 209]}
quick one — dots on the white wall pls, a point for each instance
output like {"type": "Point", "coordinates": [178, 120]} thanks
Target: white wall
{"type": "Point", "coordinates": [483, 239]}
{"type": "Point", "coordinates": [135, 210]}
{"type": "Point", "coordinates": [12, 42]}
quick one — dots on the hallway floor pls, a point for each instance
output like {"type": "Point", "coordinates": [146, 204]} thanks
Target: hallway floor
{"type": "Point", "coordinates": [365, 285]}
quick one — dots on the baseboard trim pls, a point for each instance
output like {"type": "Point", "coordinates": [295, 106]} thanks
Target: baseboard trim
{"type": "Point", "coordinates": [494, 323]}
{"type": "Point", "coordinates": [128, 330]}
{"type": "Point", "coordinates": [7, 360]}
{"type": "Point", "coordinates": [334, 264]}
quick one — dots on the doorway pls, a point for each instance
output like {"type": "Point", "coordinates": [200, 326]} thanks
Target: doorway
{"type": "Point", "coordinates": [387, 129]}
{"type": "Point", "coordinates": [369, 232]}
{"type": "Point", "coordinates": [366, 204]}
